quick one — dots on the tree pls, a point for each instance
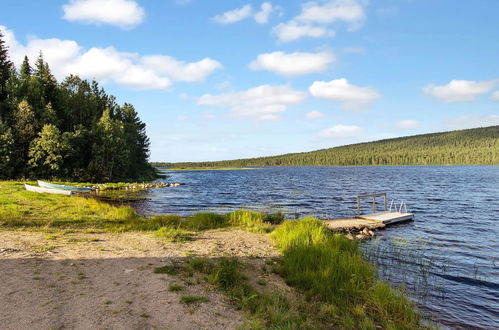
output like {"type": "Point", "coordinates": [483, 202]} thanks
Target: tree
{"type": "Point", "coordinates": [24, 132]}
{"type": "Point", "coordinates": [109, 150]}
{"type": "Point", "coordinates": [136, 141]}
{"type": "Point", "coordinates": [47, 153]}
{"type": "Point", "coordinates": [25, 69]}
{"type": "Point", "coordinates": [6, 151]}
{"type": "Point", "coordinates": [6, 68]}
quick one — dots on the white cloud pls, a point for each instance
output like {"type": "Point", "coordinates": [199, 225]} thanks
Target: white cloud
{"type": "Point", "coordinates": [262, 17]}
{"type": "Point", "coordinates": [293, 64]}
{"type": "Point", "coordinates": [235, 15]}
{"type": "Point", "coordinates": [314, 115]}
{"type": "Point", "coordinates": [407, 124]}
{"type": "Point", "coordinates": [292, 31]}
{"type": "Point", "coordinates": [460, 90]}
{"type": "Point", "coordinates": [349, 11]}
{"type": "Point", "coordinates": [471, 121]}
{"type": "Point", "coordinates": [261, 103]}
{"type": "Point", "coordinates": [316, 17]}
{"type": "Point", "coordinates": [181, 118]}
{"type": "Point", "coordinates": [123, 13]}
{"type": "Point", "coordinates": [495, 96]}
{"type": "Point", "coordinates": [341, 132]}
{"type": "Point", "coordinates": [353, 98]}
{"type": "Point", "coordinates": [109, 64]}
{"type": "Point", "coordinates": [180, 70]}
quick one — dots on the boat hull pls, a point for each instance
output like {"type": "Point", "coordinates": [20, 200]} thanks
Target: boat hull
{"type": "Point", "coordinates": [48, 190]}
{"type": "Point", "coordinates": [63, 187]}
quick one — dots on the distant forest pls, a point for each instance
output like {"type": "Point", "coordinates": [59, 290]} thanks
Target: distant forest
{"type": "Point", "coordinates": [478, 146]}
{"type": "Point", "coordinates": [68, 130]}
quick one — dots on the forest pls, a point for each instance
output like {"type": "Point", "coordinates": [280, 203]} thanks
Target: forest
{"type": "Point", "coordinates": [70, 130]}
{"type": "Point", "coordinates": [477, 146]}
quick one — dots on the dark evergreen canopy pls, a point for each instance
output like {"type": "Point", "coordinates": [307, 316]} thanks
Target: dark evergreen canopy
{"type": "Point", "coordinates": [68, 130]}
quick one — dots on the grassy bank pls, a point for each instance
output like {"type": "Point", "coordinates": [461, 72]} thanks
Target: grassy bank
{"type": "Point", "coordinates": [334, 286]}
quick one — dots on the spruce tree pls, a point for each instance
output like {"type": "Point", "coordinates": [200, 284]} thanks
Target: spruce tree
{"type": "Point", "coordinates": [25, 69]}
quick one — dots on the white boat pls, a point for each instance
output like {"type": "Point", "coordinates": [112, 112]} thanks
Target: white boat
{"type": "Point", "coordinates": [63, 187]}
{"type": "Point", "coordinates": [48, 190]}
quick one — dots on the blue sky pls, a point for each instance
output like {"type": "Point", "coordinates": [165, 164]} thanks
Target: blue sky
{"type": "Point", "coordinates": [230, 79]}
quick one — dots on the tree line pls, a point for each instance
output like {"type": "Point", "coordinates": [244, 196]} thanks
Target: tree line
{"type": "Point", "coordinates": [478, 146]}
{"type": "Point", "coordinates": [69, 130]}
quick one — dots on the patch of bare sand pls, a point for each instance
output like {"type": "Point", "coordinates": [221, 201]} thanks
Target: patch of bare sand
{"type": "Point", "coordinates": [102, 280]}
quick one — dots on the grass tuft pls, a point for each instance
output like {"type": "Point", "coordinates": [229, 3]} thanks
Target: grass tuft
{"type": "Point", "coordinates": [173, 234]}
{"type": "Point", "coordinates": [193, 299]}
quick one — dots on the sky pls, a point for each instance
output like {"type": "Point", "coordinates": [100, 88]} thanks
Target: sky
{"type": "Point", "coordinates": [227, 79]}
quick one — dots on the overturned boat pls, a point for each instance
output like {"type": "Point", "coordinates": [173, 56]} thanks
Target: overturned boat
{"type": "Point", "coordinates": [49, 190]}
{"type": "Point", "coordinates": [63, 187]}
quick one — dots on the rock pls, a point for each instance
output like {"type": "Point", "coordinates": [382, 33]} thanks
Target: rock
{"type": "Point", "coordinates": [371, 233]}
{"type": "Point", "coordinates": [365, 231]}
{"type": "Point", "coordinates": [360, 237]}
{"type": "Point", "coordinates": [349, 236]}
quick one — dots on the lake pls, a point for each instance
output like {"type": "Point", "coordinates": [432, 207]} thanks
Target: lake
{"type": "Point", "coordinates": [448, 258]}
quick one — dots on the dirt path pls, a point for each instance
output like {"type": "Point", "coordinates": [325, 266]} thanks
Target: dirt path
{"type": "Point", "coordinates": [102, 280]}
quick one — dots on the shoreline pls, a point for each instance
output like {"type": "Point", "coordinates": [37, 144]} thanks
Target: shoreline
{"type": "Point", "coordinates": [91, 244]}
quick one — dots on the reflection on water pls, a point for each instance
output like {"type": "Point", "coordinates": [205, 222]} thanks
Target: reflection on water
{"type": "Point", "coordinates": [448, 258]}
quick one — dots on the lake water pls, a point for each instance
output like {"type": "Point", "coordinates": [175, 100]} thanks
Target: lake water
{"type": "Point", "coordinates": [448, 258]}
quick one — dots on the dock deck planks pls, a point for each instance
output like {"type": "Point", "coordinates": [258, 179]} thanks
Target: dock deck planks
{"type": "Point", "coordinates": [387, 217]}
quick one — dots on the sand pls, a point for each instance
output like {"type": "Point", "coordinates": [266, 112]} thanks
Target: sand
{"type": "Point", "coordinates": [106, 281]}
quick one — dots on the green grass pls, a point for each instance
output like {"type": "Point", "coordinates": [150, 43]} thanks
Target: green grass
{"type": "Point", "coordinates": [21, 209]}
{"type": "Point", "coordinates": [188, 300]}
{"type": "Point", "coordinates": [173, 234]}
{"type": "Point", "coordinates": [175, 288]}
{"type": "Point", "coordinates": [329, 268]}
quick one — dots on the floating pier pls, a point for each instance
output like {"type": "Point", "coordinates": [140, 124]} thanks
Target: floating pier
{"type": "Point", "coordinates": [366, 224]}
{"type": "Point", "coordinates": [388, 216]}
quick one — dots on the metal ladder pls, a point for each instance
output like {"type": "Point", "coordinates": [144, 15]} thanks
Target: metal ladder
{"type": "Point", "coordinates": [393, 206]}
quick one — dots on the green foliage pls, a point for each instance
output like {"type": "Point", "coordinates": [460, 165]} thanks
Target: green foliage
{"type": "Point", "coordinates": [6, 151]}
{"type": "Point", "coordinates": [47, 152]}
{"type": "Point", "coordinates": [106, 142]}
{"type": "Point", "coordinates": [478, 146]}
